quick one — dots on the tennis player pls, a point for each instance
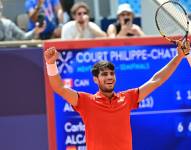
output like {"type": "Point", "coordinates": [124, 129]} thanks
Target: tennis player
{"type": "Point", "coordinates": [106, 114]}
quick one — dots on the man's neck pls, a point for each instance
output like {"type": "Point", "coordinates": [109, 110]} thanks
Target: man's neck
{"type": "Point", "coordinates": [109, 95]}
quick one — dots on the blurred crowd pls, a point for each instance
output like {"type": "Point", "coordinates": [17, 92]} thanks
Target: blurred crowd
{"type": "Point", "coordinates": [47, 19]}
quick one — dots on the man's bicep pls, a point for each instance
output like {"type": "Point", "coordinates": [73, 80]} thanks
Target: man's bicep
{"type": "Point", "coordinates": [146, 89]}
{"type": "Point", "coordinates": [70, 95]}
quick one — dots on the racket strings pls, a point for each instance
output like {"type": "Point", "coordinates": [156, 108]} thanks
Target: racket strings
{"type": "Point", "coordinates": [172, 20]}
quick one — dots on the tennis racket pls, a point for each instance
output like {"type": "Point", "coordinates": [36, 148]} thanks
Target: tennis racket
{"type": "Point", "coordinates": [173, 24]}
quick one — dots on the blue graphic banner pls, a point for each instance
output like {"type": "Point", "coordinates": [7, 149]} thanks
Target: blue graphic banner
{"type": "Point", "coordinates": [165, 113]}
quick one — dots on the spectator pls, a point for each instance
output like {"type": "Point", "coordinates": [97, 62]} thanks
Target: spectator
{"type": "Point", "coordinates": [51, 11]}
{"type": "Point", "coordinates": [124, 26]}
{"type": "Point", "coordinates": [9, 31]}
{"type": "Point", "coordinates": [81, 27]}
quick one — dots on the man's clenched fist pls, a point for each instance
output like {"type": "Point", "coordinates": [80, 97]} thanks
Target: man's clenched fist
{"type": "Point", "coordinates": [51, 55]}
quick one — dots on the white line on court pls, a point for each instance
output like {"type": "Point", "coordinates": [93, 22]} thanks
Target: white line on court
{"type": "Point", "coordinates": [161, 112]}
{"type": "Point", "coordinates": [156, 112]}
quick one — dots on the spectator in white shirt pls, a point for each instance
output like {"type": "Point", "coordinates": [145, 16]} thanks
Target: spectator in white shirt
{"type": "Point", "coordinates": [81, 27]}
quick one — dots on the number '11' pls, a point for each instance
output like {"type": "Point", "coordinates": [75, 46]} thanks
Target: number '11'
{"type": "Point", "coordinates": [179, 96]}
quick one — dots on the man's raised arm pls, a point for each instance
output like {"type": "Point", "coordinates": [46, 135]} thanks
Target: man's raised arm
{"type": "Point", "coordinates": [162, 75]}
{"type": "Point", "coordinates": [71, 96]}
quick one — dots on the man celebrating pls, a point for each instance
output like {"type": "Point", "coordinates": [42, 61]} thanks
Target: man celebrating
{"type": "Point", "coordinates": [106, 114]}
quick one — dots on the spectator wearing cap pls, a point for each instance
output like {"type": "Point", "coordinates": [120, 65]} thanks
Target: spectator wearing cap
{"type": "Point", "coordinates": [81, 27]}
{"type": "Point", "coordinates": [124, 26]}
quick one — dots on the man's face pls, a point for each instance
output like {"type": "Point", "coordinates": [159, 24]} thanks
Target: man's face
{"type": "Point", "coordinates": [79, 15]}
{"type": "Point", "coordinates": [106, 80]}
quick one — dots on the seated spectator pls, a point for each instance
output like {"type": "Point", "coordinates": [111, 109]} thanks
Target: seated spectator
{"type": "Point", "coordinates": [9, 31]}
{"type": "Point", "coordinates": [81, 26]}
{"type": "Point", "coordinates": [50, 10]}
{"type": "Point", "coordinates": [124, 26]}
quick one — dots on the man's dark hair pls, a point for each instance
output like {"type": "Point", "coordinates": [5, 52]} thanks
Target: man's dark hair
{"type": "Point", "coordinates": [100, 66]}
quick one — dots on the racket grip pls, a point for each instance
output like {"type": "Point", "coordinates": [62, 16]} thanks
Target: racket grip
{"type": "Point", "coordinates": [188, 57]}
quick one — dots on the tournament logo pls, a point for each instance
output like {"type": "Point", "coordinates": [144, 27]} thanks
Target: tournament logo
{"type": "Point", "coordinates": [65, 62]}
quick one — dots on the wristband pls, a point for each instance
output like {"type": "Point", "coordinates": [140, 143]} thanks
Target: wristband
{"type": "Point", "coordinates": [52, 69]}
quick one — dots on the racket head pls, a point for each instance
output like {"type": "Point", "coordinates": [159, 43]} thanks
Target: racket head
{"type": "Point", "coordinates": [172, 21]}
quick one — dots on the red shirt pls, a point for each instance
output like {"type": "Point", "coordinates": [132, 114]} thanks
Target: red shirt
{"type": "Point", "coordinates": [107, 122]}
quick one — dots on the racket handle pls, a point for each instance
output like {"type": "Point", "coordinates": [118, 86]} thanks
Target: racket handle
{"type": "Point", "coordinates": [188, 57]}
